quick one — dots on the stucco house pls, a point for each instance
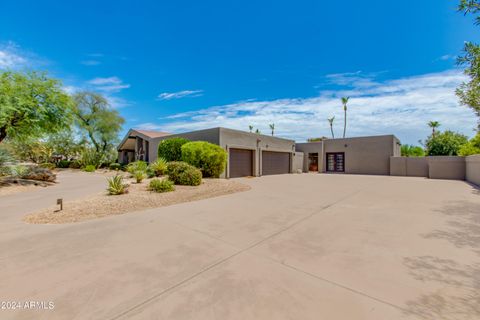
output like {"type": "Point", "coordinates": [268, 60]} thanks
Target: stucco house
{"type": "Point", "coordinates": [252, 154]}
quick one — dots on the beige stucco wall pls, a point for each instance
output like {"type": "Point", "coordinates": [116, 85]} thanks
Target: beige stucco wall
{"type": "Point", "coordinates": [311, 147]}
{"type": "Point", "coordinates": [472, 164]}
{"type": "Point", "coordinates": [398, 166]}
{"type": "Point", "coordinates": [409, 166]}
{"type": "Point", "coordinates": [297, 162]}
{"type": "Point", "coordinates": [446, 167]}
{"type": "Point", "coordinates": [363, 155]}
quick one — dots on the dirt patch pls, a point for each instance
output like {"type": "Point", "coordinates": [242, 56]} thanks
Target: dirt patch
{"type": "Point", "coordinates": [138, 198]}
{"type": "Point", "coordinates": [10, 185]}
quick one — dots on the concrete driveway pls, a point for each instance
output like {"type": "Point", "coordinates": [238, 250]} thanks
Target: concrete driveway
{"type": "Point", "coordinates": [304, 246]}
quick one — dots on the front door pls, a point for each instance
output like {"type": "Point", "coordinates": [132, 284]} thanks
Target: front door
{"type": "Point", "coordinates": [313, 162]}
{"type": "Point", "coordinates": [336, 162]}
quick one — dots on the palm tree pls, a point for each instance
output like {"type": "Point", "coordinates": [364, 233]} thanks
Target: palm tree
{"type": "Point", "coordinates": [250, 127]}
{"type": "Point", "coordinates": [434, 125]}
{"type": "Point", "coordinates": [330, 121]}
{"type": "Point", "coordinates": [257, 131]}
{"type": "Point", "coordinates": [272, 127]}
{"type": "Point", "coordinates": [344, 102]}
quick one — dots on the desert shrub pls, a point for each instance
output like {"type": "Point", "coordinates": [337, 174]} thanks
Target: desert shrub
{"type": "Point", "coordinates": [115, 166]}
{"type": "Point", "coordinates": [161, 185]}
{"type": "Point", "coordinates": [210, 158]}
{"type": "Point", "coordinates": [183, 174]}
{"type": "Point", "coordinates": [19, 171]}
{"type": "Point", "coordinates": [133, 167]}
{"type": "Point", "coordinates": [75, 164]}
{"type": "Point", "coordinates": [445, 143]}
{"type": "Point", "coordinates": [47, 165]}
{"type": "Point", "coordinates": [139, 176]}
{"type": "Point", "coordinates": [5, 157]}
{"type": "Point", "coordinates": [41, 174]}
{"type": "Point", "coordinates": [150, 172]}
{"type": "Point", "coordinates": [116, 186]}
{"type": "Point", "coordinates": [90, 157]}
{"type": "Point", "coordinates": [158, 166]}
{"type": "Point", "coordinates": [64, 164]}
{"type": "Point", "coordinates": [171, 149]}
{"type": "Point", "coordinates": [89, 168]}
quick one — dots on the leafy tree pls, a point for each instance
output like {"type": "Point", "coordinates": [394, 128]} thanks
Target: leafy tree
{"type": "Point", "coordinates": [171, 149]}
{"type": "Point", "coordinates": [434, 125]}
{"type": "Point", "coordinates": [446, 143]}
{"type": "Point", "coordinates": [272, 127]}
{"type": "Point", "coordinates": [469, 92]}
{"type": "Point", "coordinates": [64, 144]}
{"type": "Point", "coordinates": [344, 102]}
{"type": "Point", "coordinates": [32, 104]}
{"type": "Point", "coordinates": [330, 122]}
{"type": "Point", "coordinates": [28, 148]}
{"type": "Point", "coordinates": [95, 117]}
{"type": "Point", "coordinates": [412, 151]}
{"type": "Point", "coordinates": [471, 147]}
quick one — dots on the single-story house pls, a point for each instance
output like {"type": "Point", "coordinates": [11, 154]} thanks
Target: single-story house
{"type": "Point", "coordinates": [252, 154]}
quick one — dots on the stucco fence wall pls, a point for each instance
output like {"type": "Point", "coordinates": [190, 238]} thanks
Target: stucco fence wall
{"type": "Point", "coordinates": [441, 167]}
{"type": "Point", "coordinates": [297, 162]}
{"type": "Point", "coordinates": [472, 164]}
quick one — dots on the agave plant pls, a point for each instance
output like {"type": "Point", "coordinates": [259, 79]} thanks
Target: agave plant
{"type": "Point", "coordinates": [158, 166]}
{"type": "Point", "coordinates": [116, 185]}
{"type": "Point", "coordinates": [139, 176]}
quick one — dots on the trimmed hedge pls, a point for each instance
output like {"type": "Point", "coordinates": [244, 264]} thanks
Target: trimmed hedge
{"type": "Point", "coordinates": [210, 158]}
{"type": "Point", "coordinates": [183, 174]}
{"type": "Point", "coordinates": [89, 168]}
{"type": "Point", "coordinates": [171, 149]}
{"type": "Point", "coordinates": [161, 185]}
{"type": "Point", "coordinates": [115, 166]}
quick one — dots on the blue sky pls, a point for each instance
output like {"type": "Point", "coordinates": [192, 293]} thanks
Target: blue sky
{"type": "Point", "coordinates": [183, 65]}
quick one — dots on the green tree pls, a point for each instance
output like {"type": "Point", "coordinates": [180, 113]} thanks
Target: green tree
{"type": "Point", "coordinates": [272, 127]}
{"type": "Point", "coordinates": [250, 127]}
{"type": "Point", "coordinates": [469, 92]}
{"type": "Point", "coordinates": [471, 147]}
{"type": "Point", "coordinates": [434, 125]}
{"type": "Point", "coordinates": [344, 102]}
{"type": "Point", "coordinates": [330, 122]}
{"type": "Point", "coordinates": [95, 117]}
{"type": "Point", "coordinates": [64, 144]}
{"type": "Point", "coordinates": [31, 104]}
{"type": "Point", "coordinates": [412, 151]}
{"type": "Point", "coordinates": [447, 143]}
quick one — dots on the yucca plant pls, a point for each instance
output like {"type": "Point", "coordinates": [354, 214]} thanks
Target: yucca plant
{"type": "Point", "coordinates": [158, 166]}
{"type": "Point", "coordinates": [116, 185]}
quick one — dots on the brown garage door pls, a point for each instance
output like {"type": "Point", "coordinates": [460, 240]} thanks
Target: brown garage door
{"type": "Point", "coordinates": [275, 162]}
{"type": "Point", "coordinates": [241, 163]}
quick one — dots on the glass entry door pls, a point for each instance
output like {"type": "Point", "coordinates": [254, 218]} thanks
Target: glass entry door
{"type": "Point", "coordinates": [336, 162]}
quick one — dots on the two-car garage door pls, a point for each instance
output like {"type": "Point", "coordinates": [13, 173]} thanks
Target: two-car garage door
{"type": "Point", "coordinates": [275, 162]}
{"type": "Point", "coordinates": [241, 162]}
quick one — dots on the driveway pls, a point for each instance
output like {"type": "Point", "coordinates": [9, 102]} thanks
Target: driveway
{"type": "Point", "coordinates": [307, 246]}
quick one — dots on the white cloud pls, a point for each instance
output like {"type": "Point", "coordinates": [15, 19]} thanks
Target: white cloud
{"type": "Point", "coordinates": [401, 107]}
{"type": "Point", "coordinates": [110, 84]}
{"type": "Point", "coordinates": [90, 62]}
{"type": "Point", "coordinates": [180, 94]}
{"type": "Point", "coordinates": [11, 57]}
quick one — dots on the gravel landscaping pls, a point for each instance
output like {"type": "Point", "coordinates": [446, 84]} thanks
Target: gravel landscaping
{"type": "Point", "coordinates": [138, 198]}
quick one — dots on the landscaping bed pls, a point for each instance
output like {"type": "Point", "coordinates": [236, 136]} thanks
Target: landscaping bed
{"type": "Point", "coordinates": [9, 185]}
{"type": "Point", "coordinates": [137, 198]}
